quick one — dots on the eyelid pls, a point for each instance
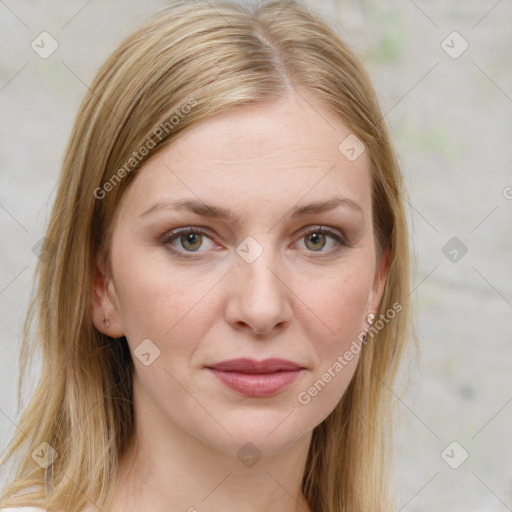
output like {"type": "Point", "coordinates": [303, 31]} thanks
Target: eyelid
{"type": "Point", "coordinates": [321, 228]}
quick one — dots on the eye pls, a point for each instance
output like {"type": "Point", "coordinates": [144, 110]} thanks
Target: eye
{"type": "Point", "coordinates": [186, 240]}
{"type": "Point", "coordinates": [316, 239]}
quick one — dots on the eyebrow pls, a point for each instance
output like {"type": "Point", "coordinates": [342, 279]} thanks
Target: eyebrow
{"type": "Point", "coordinates": [217, 212]}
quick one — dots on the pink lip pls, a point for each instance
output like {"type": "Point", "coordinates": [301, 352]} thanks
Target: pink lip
{"type": "Point", "coordinates": [252, 366]}
{"type": "Point", "coordinates": [256, 378]}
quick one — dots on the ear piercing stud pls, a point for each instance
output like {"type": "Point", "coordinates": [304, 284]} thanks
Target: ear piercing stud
{"type": "Point", "coordinates": [105, 321]}
{"type": "Point", "coordinates": [370, 318]}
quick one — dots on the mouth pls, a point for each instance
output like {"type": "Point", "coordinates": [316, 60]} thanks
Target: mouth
{"type": "Point", "coordinates": [256, 378]}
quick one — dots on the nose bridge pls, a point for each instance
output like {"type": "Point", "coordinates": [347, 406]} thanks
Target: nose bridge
{"type": "Point", "coordinates": [260, 277]}
{"type": "Point", "coordinates": [262, 298]}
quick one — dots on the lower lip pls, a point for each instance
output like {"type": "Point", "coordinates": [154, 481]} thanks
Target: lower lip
{"type": "Point", "coordinates": [257, 384]}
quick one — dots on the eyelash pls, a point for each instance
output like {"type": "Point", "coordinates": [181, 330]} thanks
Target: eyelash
{"type": "Point", "coordinates": [173, 235]}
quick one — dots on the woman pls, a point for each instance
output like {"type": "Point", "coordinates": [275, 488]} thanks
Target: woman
{"type": "Point", "coordinates": [225, 299]}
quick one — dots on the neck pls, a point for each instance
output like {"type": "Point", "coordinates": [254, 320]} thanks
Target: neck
{"type": "Point", "coordinates": [194, 479]}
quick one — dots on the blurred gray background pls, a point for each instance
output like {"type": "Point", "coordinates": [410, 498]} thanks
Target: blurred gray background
{"type": "Point", "coordinates": [443, 72]}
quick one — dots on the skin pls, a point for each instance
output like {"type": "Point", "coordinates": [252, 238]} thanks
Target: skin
{"type": "Point", "coordinates": [299, 300]}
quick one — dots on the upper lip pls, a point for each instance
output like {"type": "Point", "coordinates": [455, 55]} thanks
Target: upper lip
{"type": "Point", "coordinates": [252, 366]}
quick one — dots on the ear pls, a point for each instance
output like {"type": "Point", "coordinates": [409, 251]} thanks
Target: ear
{"type": "Point", "coordinates": [105, 303]}
{"type": "Point", "coordinates": [379, 281]}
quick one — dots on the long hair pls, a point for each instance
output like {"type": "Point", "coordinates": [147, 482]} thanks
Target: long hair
{"type": "Point", "coordinates": [183, 65]}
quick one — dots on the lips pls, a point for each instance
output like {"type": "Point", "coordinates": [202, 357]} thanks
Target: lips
{"type": "Point", "coordinates": [252, 366]}
{"type": "Point", "coordinates": [257, 379]}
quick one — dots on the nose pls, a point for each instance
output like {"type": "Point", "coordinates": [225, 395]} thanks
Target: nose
{"type": "Point", "coordinates": [259, 302]}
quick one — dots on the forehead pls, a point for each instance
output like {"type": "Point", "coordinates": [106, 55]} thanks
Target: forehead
{"type": "Point", "coordinates": [266, 155]}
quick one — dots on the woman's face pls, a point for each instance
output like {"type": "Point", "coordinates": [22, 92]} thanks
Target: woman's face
{"type": "Point", "coordinates": [261, 273]}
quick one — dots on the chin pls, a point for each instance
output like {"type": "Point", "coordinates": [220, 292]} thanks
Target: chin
{"type": "Point", "coordinates": [259, 435]}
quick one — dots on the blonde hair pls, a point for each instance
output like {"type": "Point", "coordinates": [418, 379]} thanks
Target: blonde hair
{"type": "Point", "coordinates": [182, 66]}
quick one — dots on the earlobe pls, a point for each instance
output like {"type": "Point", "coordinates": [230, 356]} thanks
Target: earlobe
{"type": "Point", "coordinates": [105, 311]}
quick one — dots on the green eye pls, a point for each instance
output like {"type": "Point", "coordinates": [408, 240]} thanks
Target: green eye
{"type": "Point", "coordinates": [317, 241]}
{"type": "Point", "coordinates": [191, 241]}
{"type": "Point", "coordinates": [184, 242]}
{"type": "Point", "coordinates": [188, 240]}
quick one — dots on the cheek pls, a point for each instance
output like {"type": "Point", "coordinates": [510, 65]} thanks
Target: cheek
{"type": "Point", "coordinates": [340, 306]}
{"type": "Point", "coordinates": [167, 306]}
{"type": "Point", "coordinates": [339, 303]}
